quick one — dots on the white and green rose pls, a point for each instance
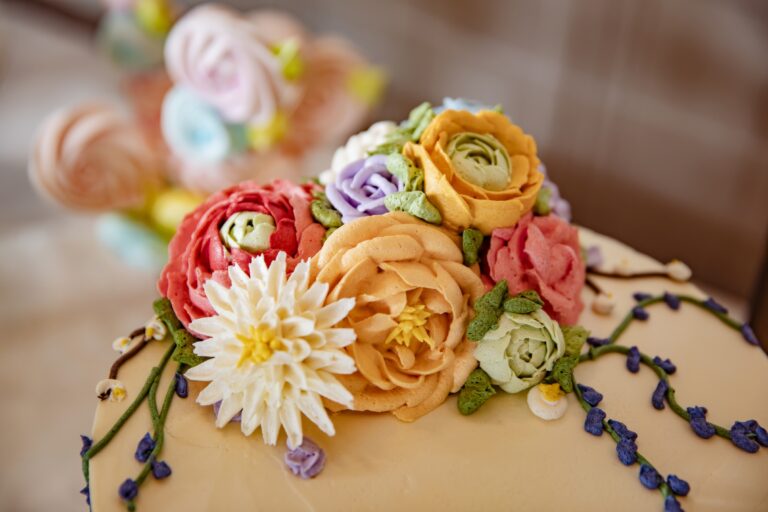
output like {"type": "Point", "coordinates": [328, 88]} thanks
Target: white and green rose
{"type": "Point", "coordinates": [521, 350]}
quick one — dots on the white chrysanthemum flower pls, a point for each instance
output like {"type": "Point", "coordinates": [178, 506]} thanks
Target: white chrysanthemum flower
{"type": "Point", "coordinates": [273, 350]}
{"type": "Point", "coordinates": [357, 148]}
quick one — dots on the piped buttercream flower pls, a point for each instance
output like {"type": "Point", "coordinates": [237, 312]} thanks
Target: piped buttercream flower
{"type": "Point", "coordinates": [274, 351]}
{"type": "Point", "coordinates": [91, 158]}
{"type": "Point", "coordinates": [413, 302]}
{"type": "Point", "coordinates": [234, 226]}
{"type": "Point", "coordinates": [328, 110]}
{"type": "Point", "coordinates": [360, 188]}
{"type": "Point", "coordinates": [194, 130]}
{"type": "Point", "coordinates": [357, 148]}
{"type": "Point", "coordinates": [541, 254]}
{"type": "Point", "coordinates": [480, 170]}
{"type": "Point", "coordinates": [218, 54]}
{"type": "Point", "coordinates": [519, 352]}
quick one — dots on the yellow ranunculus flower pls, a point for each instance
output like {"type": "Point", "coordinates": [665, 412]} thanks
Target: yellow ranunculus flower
{"type": "Point", "coordinates": [480, 170]}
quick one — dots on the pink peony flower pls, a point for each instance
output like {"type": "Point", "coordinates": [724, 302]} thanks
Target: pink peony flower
{"type": "Point", "coordinates": [198, 252]}
{"type": "Point", "coordinates": [542, 254]}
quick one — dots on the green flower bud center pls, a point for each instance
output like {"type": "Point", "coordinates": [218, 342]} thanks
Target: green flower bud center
{"type": "Point", "coordinates": [481, 160]}
{"type": "Point", "coordinates": [249, 231]}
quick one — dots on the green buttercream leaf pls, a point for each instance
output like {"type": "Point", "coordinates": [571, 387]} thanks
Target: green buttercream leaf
{"type": "Point", "coordinates": [410, 175]}
{"type": "Point", "coordinates": [471, 241]}
{"type": "Point", "coordinates": [575, 337]}
{"type": "Point", "coordinates": [414, 203]}
{"type": "Point", "coordinates": [323, 212]}
{"type": "Point", "coordinates": [409, 130]}
{"type": "Point", "coordinates": [523, 303]}
{"type": "Point", "coordinates": [562, 373]}
{"type": "Point", "coordinates": [184, 341]}
{"type": "Point", "coordinates": [541, 207]}
{"type": "Point", "coordinates": [487, 312]}
{"type": "Point", "coordinates": [475, 392]}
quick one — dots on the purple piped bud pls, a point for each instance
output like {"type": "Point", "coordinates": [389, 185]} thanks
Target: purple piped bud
{"type": "Point", "coordinates": [658, 395]}
{"type": "Point", "coordinates": [181, 386]}
{"type": "Point", "coordinates": [590, 395]}
{"type": "Point", "coordinates": [305, 461]}
{"type": "Point", "coordinates": [665, 364]}
{"type": "Point", "coordinates": [85, 491]}
{"type": "Point", "coordinates": [672, 505]}
{"type": "Point", "coordinates": [598, 342]}
{"type": "Point", "coordinates": [360, 188]}
{"type": "Point", "coordinates": [761, 435]}
{"type": "Point", "coordinates": [594, 421]}
{"type": "Point", "coordinates": [128, 490]}
{"type": "Point", "coordinates": [640, 313]}
{"type": "Point", "coordinates": [673, 301]}
{"type": "Point", "coordinates": [626, 450]}
{"type": "Point", "coordinates": [621, 430]}
{"type": "Point", "coordinates": [678, 485]}
{"type": "Point", "coordinates": [641, 296]}
{"type": "Point", "coordinates": [749, 334]}
{"type": "Point", "coordinates": [144, 448]}
{"type": "Point", "coordinates": [594, 256]}
{"type": "Point", "coordinates": [745, 443]}
{"type": "Point", "coordinates": [649, 477]}
{"type": "Point", "coordinates": [160, 469]}
{"type": "Point", "coordinates": [633, 360]}
{"type": "Point", "coordinates": [699, 423]}
{"type": "Point", "coordinates": [712, 305]}
{"type": "Point", "coordinates": [87, 443]}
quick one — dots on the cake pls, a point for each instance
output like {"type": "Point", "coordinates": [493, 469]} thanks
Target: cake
{"type": "Point", "coordinates": [423, 328]}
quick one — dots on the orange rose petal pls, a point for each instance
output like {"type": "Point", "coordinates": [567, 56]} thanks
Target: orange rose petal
{"type": "Point", "coordinates": [438, 245]}
{"type": "Point", "coordinates": [356, 279]}
{"type": "Point", "coordinates": [373, 329]}
{"type": "Point", "coordinates": [437, 325]}
{"type": "Point", "coordinates": [435, 302]}
{"type": "Point", "coordinates": [371, 364]}
{"type": "Point", "coordinates": [437, 397]}
{"type": "Point", "coordinates": [466, 278]}
{"type": "Point", "coordinates": [465, 362]}
{"type": "Point", "coordinates": [387, 248]}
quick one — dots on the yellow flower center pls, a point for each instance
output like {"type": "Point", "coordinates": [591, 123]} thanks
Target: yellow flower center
{"type": "Point", "coordinates": [258, 345]}
{"type": "Point", "coordinates": [551, 392]}
{"type": "Point", "coordinates": [411, 325]}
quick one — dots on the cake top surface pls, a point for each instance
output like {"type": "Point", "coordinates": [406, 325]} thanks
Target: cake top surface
{"type": "Point", "coordinates": [421, 304]}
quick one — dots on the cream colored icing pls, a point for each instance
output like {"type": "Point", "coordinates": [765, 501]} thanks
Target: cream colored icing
{"type": "Point", "coordinates": [500, 458]}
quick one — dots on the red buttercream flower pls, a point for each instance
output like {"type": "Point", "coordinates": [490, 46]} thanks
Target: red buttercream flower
{"type": "Point", "coordinates": [198, 253]}
{"type": "Point", "coordinates": [542, 254]}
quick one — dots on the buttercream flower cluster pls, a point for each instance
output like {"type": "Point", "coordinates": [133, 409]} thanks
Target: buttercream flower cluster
{"type": "Point", "coordinates": [370, 292]}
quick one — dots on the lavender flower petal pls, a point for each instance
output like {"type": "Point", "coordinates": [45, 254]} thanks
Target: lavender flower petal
{"type": "Point", "coordinates": [307, 460]}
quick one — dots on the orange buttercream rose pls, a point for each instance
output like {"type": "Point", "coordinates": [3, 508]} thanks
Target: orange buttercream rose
{"type": "Point", "coordinates": [413, 301]}
{"type": "Point", "coordinates": [480, 170]}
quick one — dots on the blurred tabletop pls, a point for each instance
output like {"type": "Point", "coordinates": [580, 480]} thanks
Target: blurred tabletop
{"type": "Point", "coordinates": [63, 296]}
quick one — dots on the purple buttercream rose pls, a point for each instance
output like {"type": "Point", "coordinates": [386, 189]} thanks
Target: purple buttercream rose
{"type": "Point", "coordinates": [557, 204]}
{"type": "Point", "coordinates": [360, 188]}
{"type": "Point", "coordinates": [307, 460]}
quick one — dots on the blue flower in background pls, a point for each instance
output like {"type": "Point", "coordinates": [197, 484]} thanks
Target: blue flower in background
{"type": "Point", "coordinates": [463, 104]}
{"type": "Point", "coordinates": [135, 243]}
{"type": "Point", "coordinates": [196, 132]}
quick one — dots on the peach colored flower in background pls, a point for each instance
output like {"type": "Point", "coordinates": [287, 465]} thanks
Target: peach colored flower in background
{"type": "Point", "coordinates": [274, 27]}
{"type": "Point", "coordinates": [465, 204]}
{"type": "Point", "coordinates": [146, 91]}
{"type": "Point", "coordinates": [328, 110]}
{"type": "Point", "coordinates": [91, 157]}
{"type": "Point", "coordinates": [542, 254]}
{"type": "Point", "coordinates": [413, 302]}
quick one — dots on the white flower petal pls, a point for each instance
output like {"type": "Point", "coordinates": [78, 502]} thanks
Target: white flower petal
{"type": "Point", "coordinates": [334, 313]}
